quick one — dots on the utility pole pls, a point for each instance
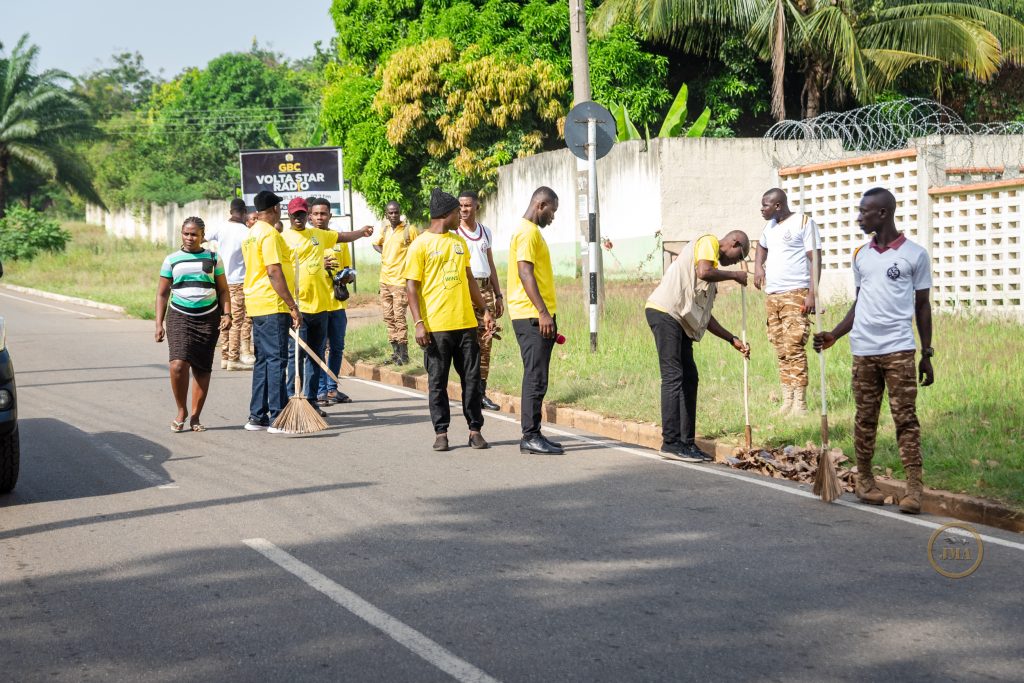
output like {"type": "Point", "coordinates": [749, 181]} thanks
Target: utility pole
{"type": "Point", "coordinates": [584, 194]}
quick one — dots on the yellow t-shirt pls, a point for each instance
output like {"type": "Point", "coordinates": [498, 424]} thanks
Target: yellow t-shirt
{"type": "Point", "coordinates": [315, 291]}
{"type": "Point", "coordinates": [393, 252]}
{"type": "Point", "coordinates": [439, 263]}
{"type": "Point", "coordinates": [528, 245]}
{"type": "Point", "coordinates": [706, 249]}
{"type": "Point", "coordinates": [343, 255]}
{"type": "Point", "coordinates": [262, 247]}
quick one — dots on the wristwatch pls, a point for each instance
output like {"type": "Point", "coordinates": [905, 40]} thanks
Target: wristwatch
{"type": "Point", "coordinates": [927, 352]}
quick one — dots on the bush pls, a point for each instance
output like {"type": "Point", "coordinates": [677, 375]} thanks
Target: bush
{"type": "Point", "coordinates": [26, 232]}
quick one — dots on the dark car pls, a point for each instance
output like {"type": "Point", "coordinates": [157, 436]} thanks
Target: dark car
{"type": "Point", "coordinates": [10, 450]}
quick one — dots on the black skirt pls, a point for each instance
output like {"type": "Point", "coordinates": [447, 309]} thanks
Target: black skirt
{"type": "Point", "coordinates": [193, 338]}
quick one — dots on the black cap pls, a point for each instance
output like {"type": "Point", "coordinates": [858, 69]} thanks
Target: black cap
{"type": "Point", "coordinates": [441, 203]}
{"type": "Point", "coordinates": [265, 199]}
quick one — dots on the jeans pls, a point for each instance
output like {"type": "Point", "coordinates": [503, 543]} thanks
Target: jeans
{"type": "Point", "coordinates": [313, 331]}
{"type": "Point", "coordinates": [535, 351]}
{"type": "Point", "coordinates": [270, 342]}
{"type": "Point", "coordinates": [678, 378]}
{"type": "Point", "coordinates": [461, 349]}
{"type": "Point", "coordinates": [337, 323]}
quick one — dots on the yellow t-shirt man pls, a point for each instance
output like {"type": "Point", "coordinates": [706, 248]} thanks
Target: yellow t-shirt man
{"type": "Point", "coordinates": [263, 247]}
{"type": "Point", "coordinates": [439, 262]}
{"type": "Point", "coordinates": [343, 255]}
{"type": "Point", "coordinates": [393, 252]}
{"type": "Point", "coordinates": [315, 290]}
{"type": "Point", "coordinates": [529, 245]}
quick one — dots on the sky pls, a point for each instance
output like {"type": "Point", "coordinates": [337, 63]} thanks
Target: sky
{"type": "Point", "coordinates": [79, 36]}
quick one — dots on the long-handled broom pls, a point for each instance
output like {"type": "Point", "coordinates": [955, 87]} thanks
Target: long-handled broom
{"type": "Point", "coordinates": [748, 433]}
{"type": "Point", "coordinates": [299, 416]}
{"type": "Point", "coordinates": [826, 481]}
{"type": "Point", "coordinates": [312, 354]}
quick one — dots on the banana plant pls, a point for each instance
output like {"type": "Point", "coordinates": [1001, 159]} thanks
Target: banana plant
{"type": "Point", "coordinates": [316, 137]}
{"type": "Point", "coordinates": [673, 126]}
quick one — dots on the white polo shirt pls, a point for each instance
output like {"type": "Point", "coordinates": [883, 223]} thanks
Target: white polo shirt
{"type": "Point", "coordinates": [229, 236]}
{"type": "Point", "coordinates": [479, 241]}
{"type": "Point", "coordinates": [788, 242]}
{"type": "Point", "coordinates": [887, 279]}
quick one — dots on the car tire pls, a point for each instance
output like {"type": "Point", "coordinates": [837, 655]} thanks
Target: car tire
{"type": "Point", "coordinates": [10, 460]}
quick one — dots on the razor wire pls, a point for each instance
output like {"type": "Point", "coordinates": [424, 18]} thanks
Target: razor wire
{"type": "Point", "coordinates": [935, 131]}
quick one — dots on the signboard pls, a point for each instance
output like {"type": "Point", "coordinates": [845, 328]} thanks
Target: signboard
{"type": "Point", "coordinates": [292, 173]}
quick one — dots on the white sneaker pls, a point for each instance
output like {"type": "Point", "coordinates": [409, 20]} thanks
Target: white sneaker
{"type": "Point", "coordinates": [276, 430]}
{"type": "Point", "coordinates": [254, 426]}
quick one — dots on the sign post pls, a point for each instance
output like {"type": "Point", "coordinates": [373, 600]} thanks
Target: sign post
{"type": "Point", "coordinates": [589, 135]}
{"type": "Point", "coordinates": [290, 173]}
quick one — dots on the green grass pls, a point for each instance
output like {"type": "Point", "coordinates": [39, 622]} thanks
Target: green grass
{"type": "Point", "coordinates": [96, 266]}
{"type": "Point", "coordinates": [972, 420]}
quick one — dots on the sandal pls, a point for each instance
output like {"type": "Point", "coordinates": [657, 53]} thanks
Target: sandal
{"type": "Point", "coordinates": [177, 427]}
{"type": "Point", "coordinates": [198, 427]}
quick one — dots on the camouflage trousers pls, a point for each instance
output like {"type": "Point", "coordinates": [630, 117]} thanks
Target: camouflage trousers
{"type": "Point", "coordinates": [485, 344]}
{"type": "Point", "coordinates": [394, 302]}
{"type": "Point", "coordinates": [872, 375]}
{"type": "Point", "coordinates": [240, 335]}
{"type": "Point", "coordinates": [788, 331]}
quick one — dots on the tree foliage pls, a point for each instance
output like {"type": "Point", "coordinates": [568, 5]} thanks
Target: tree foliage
{"type": "Point", "coordinates": [41, 121]}
{"type": "Point", "coordinates": [459, 88]}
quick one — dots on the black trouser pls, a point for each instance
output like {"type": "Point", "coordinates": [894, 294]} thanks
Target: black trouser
{"type": "Point", "coordinates": [535, 351]}
{"type": "Point", "coordinates": [461, 349]}
{"type": "Point", "coordinates": [678, 378]}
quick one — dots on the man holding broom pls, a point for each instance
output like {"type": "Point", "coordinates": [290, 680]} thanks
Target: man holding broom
{"type": "Point", "coordinates": [269, 278]}
{"type": "Point", "coordinates": [316, 293]}
{"type": "Point", "coordinates": [442, 294]}
{"type": "Point", "coordinates": [893, 277]}
{"type": "Point", "coordinates": [679, 312]}
{"type": "Point", "coordinates": [782, 267]}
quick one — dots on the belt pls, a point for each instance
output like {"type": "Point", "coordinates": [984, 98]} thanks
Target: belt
{"type": "Point", "coordinates": [483, 281]}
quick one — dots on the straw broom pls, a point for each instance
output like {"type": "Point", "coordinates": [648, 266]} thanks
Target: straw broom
{"type": "Point", "coordinates": [748, 433]}
{"type": "Point", "coordinates": [299, 416]}
{"type": "Point", "coordinates": [826, 481]}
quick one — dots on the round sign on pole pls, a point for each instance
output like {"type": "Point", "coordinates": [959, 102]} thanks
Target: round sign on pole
{"type": "Point", "coordinates": [576, 129]}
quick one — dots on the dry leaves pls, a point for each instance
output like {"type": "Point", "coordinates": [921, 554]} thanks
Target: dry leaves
{"type": "Point", "coordinates": [795, 464]}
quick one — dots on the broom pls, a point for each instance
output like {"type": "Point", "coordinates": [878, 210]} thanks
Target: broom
{"type": "Point", "coordinates": [826, 481]}
{"type": "Point", "coordinates": [299, 416]}
{"type": "Point", "coordinates": [312, 354]}
{"type": "Point", "coordinates": [746, 371]}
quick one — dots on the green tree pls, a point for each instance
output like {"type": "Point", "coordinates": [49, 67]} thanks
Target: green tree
{"type": "Point", "coordinates": [841, 46]}
{"type": "Point", "coordinates": [41, 121]}
{"type": "Point", "coordinates": [122, 87]}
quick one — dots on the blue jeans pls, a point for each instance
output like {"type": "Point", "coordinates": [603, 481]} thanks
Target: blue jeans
{"type": "Point", "coordinates": [270, 341]}
{"type": "Point", "coordinates": [313, 331]}
{"type": "Point", "coordinates": [337, 323]}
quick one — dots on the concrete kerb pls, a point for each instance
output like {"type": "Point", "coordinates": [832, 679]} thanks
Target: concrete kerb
{"type": "Point", "coordinates": [937, 502]}
{"type": "Point", "coordinates": [66, 299]}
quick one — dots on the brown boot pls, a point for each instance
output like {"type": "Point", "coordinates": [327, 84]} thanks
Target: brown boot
{"type": "Point", "coordinates": [910, 503]}
{"type": "Point", "coordinates": [867, 490]}
{"type": "Point", "coordinates": [787, 400]}
{"type": "Point", "coordinates": [799, 408]}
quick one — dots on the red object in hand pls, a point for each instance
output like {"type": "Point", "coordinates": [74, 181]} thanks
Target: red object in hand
{"type": "Point", "coordinates": [608, 244]}
{"type": "Point", "coordinates": [560, 339]}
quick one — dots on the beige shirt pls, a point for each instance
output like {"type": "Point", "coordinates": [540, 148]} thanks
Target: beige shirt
{"type": "Point", "coordinates": [684, 296]}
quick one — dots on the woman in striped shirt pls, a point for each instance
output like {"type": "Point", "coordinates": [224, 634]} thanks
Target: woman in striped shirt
{"type": "Point", "coordinates": [192, 282]}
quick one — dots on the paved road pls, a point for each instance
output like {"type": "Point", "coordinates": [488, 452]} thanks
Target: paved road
{"type": "Point", "coordinates": [131, 553]}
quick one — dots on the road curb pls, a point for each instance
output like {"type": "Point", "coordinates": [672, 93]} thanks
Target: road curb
{"type": "Point", "coordinates": [648, 435]}
{"type": "Point", "coordinates": [63, 298]}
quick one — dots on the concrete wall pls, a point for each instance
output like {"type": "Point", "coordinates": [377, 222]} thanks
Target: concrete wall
{"type": "Point", "coordinates": [678, 187]}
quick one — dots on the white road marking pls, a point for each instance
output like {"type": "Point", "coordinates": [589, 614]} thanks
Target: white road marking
{"type": "Point", "coordinates": [404, 635]}
{"type": "Point", "coordinates": [139, 469]}
{"type": "Point", "coordinates": [766, 483]}
{"type": "Point", "coordinates": [40, 303]}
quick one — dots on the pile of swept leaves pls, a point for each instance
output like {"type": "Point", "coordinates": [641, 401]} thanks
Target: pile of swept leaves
{"type": "Point", "coordinates": [790, 462]}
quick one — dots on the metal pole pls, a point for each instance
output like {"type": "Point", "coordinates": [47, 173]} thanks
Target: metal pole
{"type": "Point", "coordinates": [351, 227]}
{"type": "Point", "coordinates": [592, 225]}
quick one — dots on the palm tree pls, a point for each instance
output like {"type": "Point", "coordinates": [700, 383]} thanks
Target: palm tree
{"type": "Point", "coordinates": [849, 46]}
{"type": "Point", "coordinates": [40, 122]}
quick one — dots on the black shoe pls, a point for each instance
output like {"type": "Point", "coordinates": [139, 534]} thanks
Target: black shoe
{"type": "Point", "coordinates": [552, 443]}
{"type": "Point", "coordinates": [696, 452]}
{"type": "Point", "coordinates": [319, 412]}
{"type": "Point", "coordinates": [538, 445]}
{"type": "Point", "coordinates": [476, 440]}
{"type": "Point", "coordinates": [342, 397]}
{"type": "Point", "coordinates": [441, 442]}
{"type": "Point", "coordinates": [403, 353]}
{"type": "Point", "coordinates": [488, 404]}
{"type": "Point", "coordinates": [679, 453]}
